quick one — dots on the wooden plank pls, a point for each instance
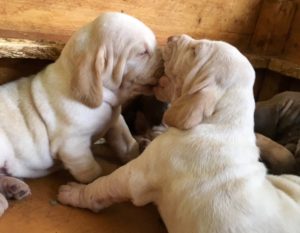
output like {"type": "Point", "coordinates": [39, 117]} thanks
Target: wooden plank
{"type": "Point", "coordinates": [259, 62]}
{"type": "Point", "coordinates": [285, 67]}
{"type": "Point", "coordinates": [292, 48]}
{"type": "Point", "coordinates": [57, 20]}
{"type": "Point", "coordinates": [272, 27]}
{"type": "Point", "coordinates": [16, 48]}
{"type": "Point", "coordinates": [276, 64]}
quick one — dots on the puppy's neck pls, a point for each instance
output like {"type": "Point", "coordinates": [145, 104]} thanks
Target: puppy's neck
{"type": "Point", "coordinates": [235, 110]}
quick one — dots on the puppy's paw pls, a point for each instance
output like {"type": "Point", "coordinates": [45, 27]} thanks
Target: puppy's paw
{"type": "Point", "coordinates": [89, 174]}
{"type": "Point", "coordinates": [77, 195]}
{"type": "Point", "coordinates": [3, 204]}
{"type": "Point", "coordinates": [71, 194]}
{"type": "Point", "coordinates": [14, 188]}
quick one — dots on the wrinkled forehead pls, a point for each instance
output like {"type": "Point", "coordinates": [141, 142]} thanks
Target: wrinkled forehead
{"type": "Point", "coordinates": [212, 48]}
{"type": "Point", "coordinates": [124, 29]}
{"type": "Point", "coordinates": [185, 42]}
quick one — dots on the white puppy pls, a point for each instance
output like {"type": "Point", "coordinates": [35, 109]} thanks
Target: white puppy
{"type": "Point", "coordinates": [203, 173]}
{"type": "Point", "coordinates": [54, 114]}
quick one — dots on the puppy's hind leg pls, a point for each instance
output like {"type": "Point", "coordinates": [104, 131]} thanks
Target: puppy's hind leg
{"type": "Point", "coordinates": [12, 187]}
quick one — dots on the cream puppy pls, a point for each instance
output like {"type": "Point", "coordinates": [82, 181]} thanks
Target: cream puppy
{"type": "Point", "coordinates": [54, 114]}
{"type": "Point", "coordinates": [203, 173]}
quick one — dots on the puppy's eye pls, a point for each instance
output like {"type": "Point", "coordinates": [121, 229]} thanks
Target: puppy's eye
{"type": "Point", "coordinates": [144, 53]}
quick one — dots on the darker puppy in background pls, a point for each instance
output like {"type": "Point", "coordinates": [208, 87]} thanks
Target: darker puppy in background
{"type": "Point", "coordinates": [279, 119]}
{"type": "Point", "coordinates": [143, 116]}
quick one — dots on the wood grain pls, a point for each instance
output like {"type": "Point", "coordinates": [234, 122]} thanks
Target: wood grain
{"type": "Point", "coordinates": [17, 48]}
{"type": "Point", "coordinates": [272, 27]}
{"type": "Point", "coordinates": [57, 20]}
{"type": "Point", "coordinates": [292, 48]}
{"type": "Point", "coordinates": [276, 64]}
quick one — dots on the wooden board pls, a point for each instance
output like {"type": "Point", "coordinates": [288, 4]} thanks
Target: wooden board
{"type": "Point", "coordinates": [57, 20]}
{"type": "Point", "coordinates": [276, 64]}
{"type": "Point", "coordinates": [292, 48]}
{"type": "Point", "coordinates": [272, 27]}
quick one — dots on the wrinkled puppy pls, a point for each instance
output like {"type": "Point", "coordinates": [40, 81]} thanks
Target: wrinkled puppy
{"type": "Point", "coordinates": [279, 119]}
{"type": "Point", "coordinates": [203, 173]}
{"type": "Point", "coordinates": [54, 114]}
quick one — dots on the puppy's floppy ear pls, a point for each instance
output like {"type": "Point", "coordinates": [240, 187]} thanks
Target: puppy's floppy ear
{"type": "Point", "coordinates": [189, 109]}
{"type": "Point", "coordinates": [87, 82]}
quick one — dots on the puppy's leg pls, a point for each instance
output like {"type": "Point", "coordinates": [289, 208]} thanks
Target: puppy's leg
{"type": "Point", "coordinates": [124, 184]}
{"type": "Point", "coordinates": [3, 204]}
{"type": "Point", "coordinates": [120, 138]}
{"type": "Point", "coordinates": [278, 159]}
{"type": "Point", "coordinates": [79, 160]}
{"type": "Point", "coordinates": [12, 187]}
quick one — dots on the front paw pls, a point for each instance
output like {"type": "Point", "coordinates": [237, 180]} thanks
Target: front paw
{"type": "Point", "coordinates": [3, 204]}
{"type": "Point", "coordinates": [14, 188]}
{"type": "Point", "coordinates": [88, 174]}
{"type": "Point", "coordinates": [73, 194]}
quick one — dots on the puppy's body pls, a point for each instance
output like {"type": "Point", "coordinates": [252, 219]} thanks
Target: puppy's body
{"type": "Point", "coordinates": [54, 114]}
{"type": "Point", "coordinates": [229, 197]}
{"type": "Point", "coordinates": [41, 122]}
{"type": "Point", "coordinates": [203, 173]}
{"type": "Point", "coordinates": [279, 119]}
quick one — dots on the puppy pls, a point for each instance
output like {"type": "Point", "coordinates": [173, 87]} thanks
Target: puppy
{"type": "Point", "coordinates": [279, 119]}
{"type": "Point", "coordinates": [203, 173]}
{"type": "Point", "coordinates": [54, 114]}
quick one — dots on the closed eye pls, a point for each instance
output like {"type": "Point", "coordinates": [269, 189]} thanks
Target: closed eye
{"type": "Point", "coordinates": [144, 53]}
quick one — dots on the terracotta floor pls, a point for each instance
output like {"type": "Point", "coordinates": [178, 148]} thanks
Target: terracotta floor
{"type": "Point", "coordinates": [40, 213]}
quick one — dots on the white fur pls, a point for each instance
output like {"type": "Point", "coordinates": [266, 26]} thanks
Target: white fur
{"type": "Point", "coordinates": [42, 121]}
{"type": "Point", "coordinates": [206, 179]}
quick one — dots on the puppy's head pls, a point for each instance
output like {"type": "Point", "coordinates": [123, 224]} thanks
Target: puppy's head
{"type": "Point", "coordinates": [197, 74]}
{"type": "Point", "coordinates": [113, 49]}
